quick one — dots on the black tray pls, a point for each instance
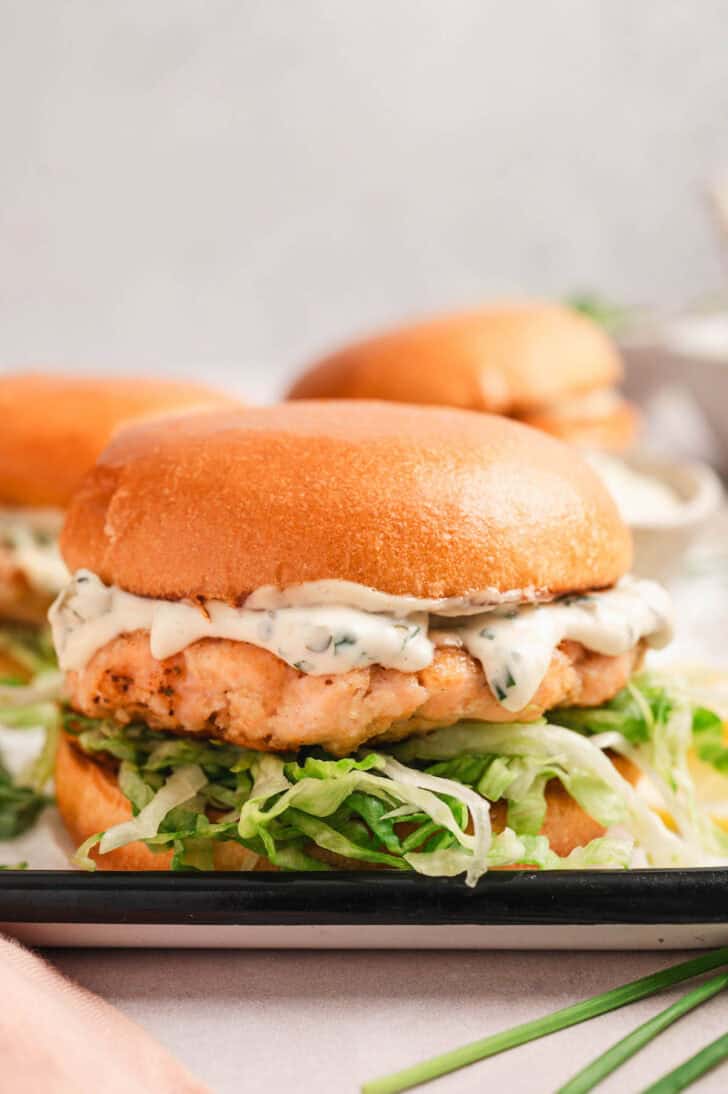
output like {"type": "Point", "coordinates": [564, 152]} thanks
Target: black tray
{"type": "Point", "coordinates": [513, 897]}
{"type": "Point", "coordinates": [604, 909]}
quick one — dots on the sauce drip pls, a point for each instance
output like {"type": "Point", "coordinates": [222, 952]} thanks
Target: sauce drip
{"type": "Point", "coordinates": [31, 537]}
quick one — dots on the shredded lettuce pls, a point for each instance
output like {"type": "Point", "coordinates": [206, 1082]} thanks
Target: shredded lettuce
{"type": "Point", "coordinates": [179, 788]}
{"type": "Point", "coordinates": [592, 779]}
{"type": "Point", "coordinates": [28, 700]}
{"type": "Point", "coordinates": [294, 810]}
{"type": "Point", "coordinates": [521, 780]}
{"type": "Point", "coordinates": [654, 724]}
{"type": "Point", "coordinates": [633, 712]}
{"type": "Point", "coordinates": [604, 851]}
{"type": "Point", "coordinates": [298, 810]}
{"type": "Point", "coordinates": [406, 795]}
{"type": "Point", "coordinates": [40, 771]}
{"type": "Point", "coordinates": [508, 849]}
{"type": "Point", "coordinates": [20, 806]}
{"type": "Point", "coordinates": [82, 857]}
{"type": "Point", "coordinates": [31, 648]}
{"type": "Point", "coordinates": [709, 739]}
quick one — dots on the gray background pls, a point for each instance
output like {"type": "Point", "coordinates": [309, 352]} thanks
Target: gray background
{"type": "Point", "coordinates": [225, 186]}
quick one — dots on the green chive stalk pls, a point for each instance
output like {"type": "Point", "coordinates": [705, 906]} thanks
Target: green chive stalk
{"type": "Point", "coordinates": [623, 1050]}
{"type": "Point", "coordinates": [686, 1074]}
{"type": "Point", "coordinates": [540, 1027]}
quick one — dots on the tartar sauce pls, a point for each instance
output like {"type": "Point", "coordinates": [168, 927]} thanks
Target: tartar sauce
{"type": "Point", "coordinates": [513, 643]}
{"type": "Point", "coordinates": [31, 537]}
{"type": "Point", "coordinates": [315, 594]}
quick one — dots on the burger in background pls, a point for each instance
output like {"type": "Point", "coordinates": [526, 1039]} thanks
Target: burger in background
{"type": "Point", "coordinates": [53, 428]}
{"type": "Point", "coordinates": [553, 367]}
{"type": "Point", "coordinates": [334, 635]}
{"type": "Point", "coordinates": [548, 365]}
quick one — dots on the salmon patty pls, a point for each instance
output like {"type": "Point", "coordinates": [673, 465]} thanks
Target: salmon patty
{"type": "Point", "coordinates": [236, 692]}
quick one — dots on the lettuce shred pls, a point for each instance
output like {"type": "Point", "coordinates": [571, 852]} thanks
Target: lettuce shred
{"type": "Point", "coordinates": [29, 647]}
{"type": "Point", "coordinates": [30, 688]}
{"type": "Point", "coordinates": [659, 723]}
{"type": "Point", "coordinates": [20, 805]}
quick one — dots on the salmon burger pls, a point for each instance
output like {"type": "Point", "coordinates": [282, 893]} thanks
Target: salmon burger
{"type": "Point", "coordinates": [357, 635]}
{"type": "Point", "coordinates": [543, 363]}
{"type": "Point", "coordinates": [53, 428]}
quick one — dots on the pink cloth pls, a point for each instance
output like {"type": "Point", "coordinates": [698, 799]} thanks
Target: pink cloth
{"type": "Point", "coordinates": [58, 1038]}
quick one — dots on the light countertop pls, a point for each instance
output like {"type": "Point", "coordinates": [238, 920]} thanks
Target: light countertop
{"type": "Point", "coordinates": [323, 1022]}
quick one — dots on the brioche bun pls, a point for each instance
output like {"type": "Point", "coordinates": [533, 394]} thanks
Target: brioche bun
{"type": "Point", "coordinates": [505, 359]}
{"type": "Point", "coordinates": [90, 801]}
{"type": "Point", "coordinates": [54, 427]}
{"type": "Point", "coordinates": [418, 501]}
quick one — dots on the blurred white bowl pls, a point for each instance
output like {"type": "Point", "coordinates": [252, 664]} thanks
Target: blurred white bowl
{"type": "Point", "coordinates": [663, 533]}
{"type": "Point", "coordinates": [689, 357]}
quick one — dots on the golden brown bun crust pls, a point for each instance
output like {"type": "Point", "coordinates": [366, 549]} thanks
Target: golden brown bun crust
{"type": "Point", "coordinates": [410, 500]}
{"type": "Point", "coordinates": [503, 359]}
{"type": "Point", "coordinates": [613, 432]}
{"type": "Point", "coordinates": [54, 427]}
{"type": "Point", "coordinates": [89, 801]}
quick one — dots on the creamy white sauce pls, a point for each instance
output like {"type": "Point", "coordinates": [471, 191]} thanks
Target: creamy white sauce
{"type": "Point", "coordinates": [318, 641]}
{"type": "Point", "coordinates": [641, 498]}
{"type": "Point", "coordinates": [515, 651]}
{"type": "Point", "coordinates": [31, 537]}
{"type": "Point", "coordinates": [513, 643]}
{"type": "Point", "coordinates": [314, 594]}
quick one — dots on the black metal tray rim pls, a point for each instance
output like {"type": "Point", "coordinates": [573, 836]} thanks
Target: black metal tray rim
{"type": "Point", "coordinates": [367, 898]}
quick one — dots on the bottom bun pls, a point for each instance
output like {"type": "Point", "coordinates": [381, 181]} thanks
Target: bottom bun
{"type": "Point", "coordinates": [90, 801]}
{"type": "Point", "coordinates": [615, 431]}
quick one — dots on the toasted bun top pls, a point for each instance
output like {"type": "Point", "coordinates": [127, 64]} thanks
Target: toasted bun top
{"type": "Point", "coordinates": [503, 359]}
{"type": "Point", "coordinates": [53, 427]}
{"type": "Point", "coordinates": [408, 500]}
